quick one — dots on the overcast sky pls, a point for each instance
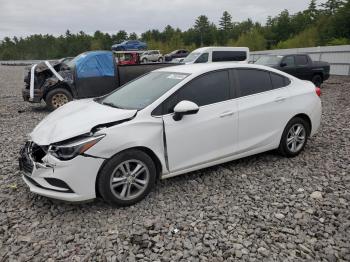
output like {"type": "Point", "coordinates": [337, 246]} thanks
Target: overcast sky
{"type": "Point", "coordinates": [25, 17]}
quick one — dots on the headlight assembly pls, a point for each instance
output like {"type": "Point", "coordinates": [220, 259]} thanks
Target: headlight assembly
{"type": "Point", "coordinates": [74, 147]}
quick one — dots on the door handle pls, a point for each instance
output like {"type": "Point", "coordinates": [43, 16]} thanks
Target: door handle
{"type": "Point", "coordinates": [280, 99]}
{"type": "Point", "coordinates": [229, 113]}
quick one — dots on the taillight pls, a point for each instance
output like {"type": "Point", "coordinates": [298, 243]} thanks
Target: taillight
{"type": "Point", "coordinates": [318, 91]}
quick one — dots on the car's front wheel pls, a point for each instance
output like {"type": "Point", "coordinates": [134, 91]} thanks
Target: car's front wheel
{"type": "Point", "coordinates": [160, 59]}
{"type": "Point", "coordinates": [144, 60]}
{"type": "Point", "coordinates": [127, 178]}
{"type": "Point", "coordinates": [57, 98]}
{"type": "Point", "coordinates": [294, 137]}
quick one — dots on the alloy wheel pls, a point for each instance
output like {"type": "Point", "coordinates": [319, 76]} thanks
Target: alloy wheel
{"type": "Point", "coordinates": [296, 138]}
{"type": "Point", "coordinates": [129, 179]}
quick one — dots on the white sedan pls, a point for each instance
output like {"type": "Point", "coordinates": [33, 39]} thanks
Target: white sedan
{"type": "Point", "coordinates": [168, 122]}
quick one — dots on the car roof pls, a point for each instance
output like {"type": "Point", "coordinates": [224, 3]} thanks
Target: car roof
{"type": "Point", "coordinates": [207, 67]}
{"type": "Point", "coordinates": [220, 48]}
{"type": "Point", "coordinates": [283, 54]}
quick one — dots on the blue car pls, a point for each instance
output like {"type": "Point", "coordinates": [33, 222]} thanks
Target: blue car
{"type": "Point", "coordinates": [129, 45]}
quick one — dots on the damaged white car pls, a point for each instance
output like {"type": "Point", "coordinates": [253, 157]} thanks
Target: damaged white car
{"type": "Point", "coordinates": [168, 122]}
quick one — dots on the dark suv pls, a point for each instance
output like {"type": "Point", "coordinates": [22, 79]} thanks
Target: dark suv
{"type": "Point", "coordinates": [298, 65]}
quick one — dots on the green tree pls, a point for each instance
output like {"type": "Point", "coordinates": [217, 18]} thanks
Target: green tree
{"type": "Point", "coordinates": [225, 28]}
{"type": "Point", "coordinates": [133, 36]}
{"type": "Point", "coordinates": [225, 22]}
{"type": "Point", "coordinates": [331, 6]}
{"type": "Point", "coordinates": [253, 39]}
{"type": "Point", "coordinates": [307, 38]}
{"type": "Point", "coordinates": [327, 24]}
{"type": "Point", "coordinates": [201, 26]}
{"type": "Point", "coordinates": [167, 33]}
{"type": "Point", "coordinates": [312, 11]}
{"type": "Point", "coordinates": [120, 36]}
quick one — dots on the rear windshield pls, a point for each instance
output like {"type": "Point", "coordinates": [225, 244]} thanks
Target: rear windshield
{"type": "Point", "coordinates": [269, 60]}
{"type": "Point", "coordinates": [75, 60]}
{"type": "Point", "coordinates": [143, 91]}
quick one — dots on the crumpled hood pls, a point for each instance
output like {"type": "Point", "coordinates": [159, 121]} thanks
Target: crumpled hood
{"type": "Point", "coordinates": [76, 118]}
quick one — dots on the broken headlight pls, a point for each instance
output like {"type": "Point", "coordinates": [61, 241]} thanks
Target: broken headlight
{"type": "Point", "coordinates": [72, 148]}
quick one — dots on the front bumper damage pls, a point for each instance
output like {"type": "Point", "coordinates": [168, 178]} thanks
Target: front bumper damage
{"type": "Point", "coordinates": [38, 95]}
{"type": "Point", "coordinates": [72, 180]}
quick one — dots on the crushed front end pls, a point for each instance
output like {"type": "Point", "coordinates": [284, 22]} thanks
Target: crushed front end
{"type": "Point", "coordinates": [69, 180]}
{"type": "Point", "coordinates": [44, 80]}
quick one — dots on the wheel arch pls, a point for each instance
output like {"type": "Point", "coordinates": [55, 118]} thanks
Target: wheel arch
{"type": "Point", "coordinates": [320, 74]}
{"type": "Point", "coordinates": [144, 149]}
{"type": "Point", "coordinates": [306, 118]}
{"type": "Point", "coordinates": [63, 85]}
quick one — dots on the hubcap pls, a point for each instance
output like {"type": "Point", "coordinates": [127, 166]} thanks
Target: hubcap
{"type": "Point", "coordinates": [59, 100]}
{"type": "Point", "coordinates": [296, 138]}
{"type": "Point", "coordinates": [129, 179]}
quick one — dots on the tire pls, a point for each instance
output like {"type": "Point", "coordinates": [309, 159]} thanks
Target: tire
{"type": "Point", "coordinates": [116, 169]}
{"type": "Point", "coordinates": [160, 59]}
{"type": "Point", "coordinates": [289, 137]}
{"type": "Point", "coordinates": [317, 80]}
{"type": "Point", "coordinates": [57, 97]}
{"type": "Point", "coordinates": [144, 60]}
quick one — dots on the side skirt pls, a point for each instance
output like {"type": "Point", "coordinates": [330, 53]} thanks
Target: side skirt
{"type": "Point", "coordinates": [219, 161]}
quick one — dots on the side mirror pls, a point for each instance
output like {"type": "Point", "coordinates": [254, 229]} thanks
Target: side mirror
{"type": "Point", "coordinates": [283, 64]}
{"type": "Point", "coordinates": [184, 108]}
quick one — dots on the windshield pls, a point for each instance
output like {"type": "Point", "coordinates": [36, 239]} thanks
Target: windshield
{"type": "Point", "coordinates": [76, 59]}
{"type": "Point", "coordinates": [191, 57]}
{"type": "Point", "coordinates": [143, 91]}
{"type": "Point", "coordinates": [269, 60]}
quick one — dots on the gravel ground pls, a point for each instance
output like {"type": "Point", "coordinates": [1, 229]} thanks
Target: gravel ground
{"type": "Point", "coordinates": [263, 207]}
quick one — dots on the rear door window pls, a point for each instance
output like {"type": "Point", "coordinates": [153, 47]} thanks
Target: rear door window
{"type": "Point", "coordinates": [301, 60]}
{"type": "Point", "coordinates": [253, 81]}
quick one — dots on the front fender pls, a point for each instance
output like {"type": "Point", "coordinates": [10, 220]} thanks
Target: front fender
{"type": "Point", "coordinates": [130, 134]}
{"type": "Point", "coordinates": [53, 82]}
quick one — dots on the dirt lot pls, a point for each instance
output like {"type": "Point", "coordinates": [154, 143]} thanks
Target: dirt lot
{"type": "Point", "coordinates": [263, 207]}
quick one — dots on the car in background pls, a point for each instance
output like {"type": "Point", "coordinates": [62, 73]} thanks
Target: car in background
{"type": "Point", "coordinates": [151, 56]}
{"type": "Point", "coordinates": [218, 54]}
{"type": "Point", "coordinates": [166, 123]}
{"type": "Point", "coordinates": [127, 57]}
{"type": "Point", "coordinates": [298, 65]}
{"type": "Point", "coordinates": [90, 74]}
{"type": "Point", "coordinates": [180, 53]}
{"type": "Point", "coordinates": [177, 60]}
{"type": "Point", "coordinates": [129, 45]}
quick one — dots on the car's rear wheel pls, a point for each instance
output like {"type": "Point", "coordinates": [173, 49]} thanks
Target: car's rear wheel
{"type": "Point", "coordinates": [57, 98]}
{"type": "Point", "coordinates": [317, 80]}
{"type": "Point", "coordinates": [160, 59]}
{"type": "Point", "coordinates": [127, 178]}
{"type": "Point", "coordinates": [144, 60]}
{"type": "Point", "coordinates": [294, 137]}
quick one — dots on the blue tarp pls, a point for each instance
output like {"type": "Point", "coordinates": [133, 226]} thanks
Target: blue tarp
{"type": "Point", "coordinates": [94, 64]}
